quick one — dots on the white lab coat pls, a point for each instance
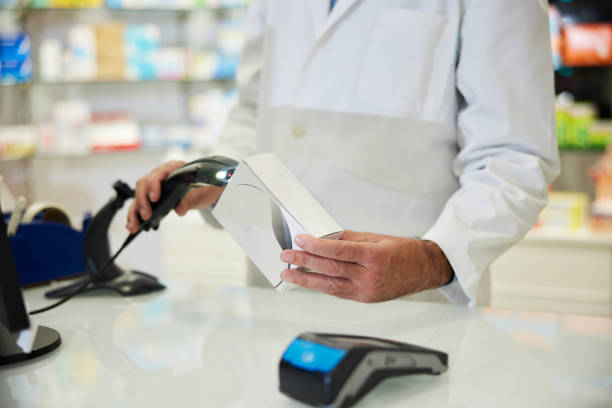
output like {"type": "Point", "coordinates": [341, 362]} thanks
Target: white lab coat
{"type": "Point", "coordinates": [415, 118]}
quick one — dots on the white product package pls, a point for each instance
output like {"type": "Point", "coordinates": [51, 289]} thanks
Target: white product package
{"type": "Point", "coordinates": [264, 207]}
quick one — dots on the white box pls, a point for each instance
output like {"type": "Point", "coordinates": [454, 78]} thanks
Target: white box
{"type": "Point", "coordinates": [264, 207]}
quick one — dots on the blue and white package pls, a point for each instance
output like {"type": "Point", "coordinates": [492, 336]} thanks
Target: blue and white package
{"type": "Point", "coordinates": [15, 57]}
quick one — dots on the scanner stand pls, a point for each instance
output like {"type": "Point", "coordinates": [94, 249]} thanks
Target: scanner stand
{"type": "Point", "coordinates": [96, 250]}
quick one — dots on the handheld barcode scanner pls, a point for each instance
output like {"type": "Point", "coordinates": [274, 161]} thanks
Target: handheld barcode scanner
{"type": "Point", "coordinates": [103, 273]}
{"type": "Point", "coordinates": [335, 370]}
{"type": "Point", "coordinates": [213, 171]}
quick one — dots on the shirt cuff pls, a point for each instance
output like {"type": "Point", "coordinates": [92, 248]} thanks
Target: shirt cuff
{"type": "Point", "coordinates": [464, 286]}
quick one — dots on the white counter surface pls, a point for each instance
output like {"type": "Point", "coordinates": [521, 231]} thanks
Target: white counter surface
{"type": "Point", "coordinates": [220, 347]}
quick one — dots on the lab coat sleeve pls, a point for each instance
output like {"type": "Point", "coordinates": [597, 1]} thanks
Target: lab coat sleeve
{"type": "Point", "coordinates": [507, 144]}
{"type": "Point", "coordinates": [238, 139]}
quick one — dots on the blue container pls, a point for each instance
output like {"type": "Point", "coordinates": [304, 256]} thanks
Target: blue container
{"type": "Point", "coordinates": [46, 251]}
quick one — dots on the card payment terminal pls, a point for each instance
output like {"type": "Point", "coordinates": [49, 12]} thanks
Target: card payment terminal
{"type": "Point", "coordinates": [336, 370]}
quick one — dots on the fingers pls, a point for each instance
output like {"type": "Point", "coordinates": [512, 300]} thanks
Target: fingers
{"type": "Point", "coordinates": [154, 180]}
{"type": "Point", "coordinates": [142, 205]}
{"type": "Point", "coordinates": [148, 189]}
{"type": "Point", "coordinates": [361, 236]}
{"type": "Point", "coordinates": [322, 265]}
{"type": "Point", "coordinates": [339, 287]}
{"type": "Point", "coordinates": [132, 220]}
{"type": "Point", "coordinates": [341, 250]}
{"type": "Point", "coordinates": [199, 198]}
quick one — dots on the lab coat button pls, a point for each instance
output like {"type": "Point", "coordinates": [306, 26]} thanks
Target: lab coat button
{"type": "Point", "coordinates": [298, 131]}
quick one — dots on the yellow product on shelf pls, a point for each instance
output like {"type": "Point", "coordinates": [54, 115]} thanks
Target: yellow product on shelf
{"type": "Point", "coordinates": [70, 3]}
{"type": "Point", "coordinates": [87, 3]}
{"type": "Point", "coordinates": [565, 210]}
{"type": "Point", "coordinates": [18, 141]}
{"type": "Point", "coordinates": [58, 3]}
{"type": "Point", "coordinates": [109, 51]}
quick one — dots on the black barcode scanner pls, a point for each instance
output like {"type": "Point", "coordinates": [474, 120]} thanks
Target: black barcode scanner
{"type": "Point", "coordinates": [103, 273]}
{"type": "Point", "coordinates": [211, 171]}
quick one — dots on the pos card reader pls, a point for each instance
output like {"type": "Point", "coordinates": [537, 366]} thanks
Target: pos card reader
{"type": "Point", "coordinates": [336, 370]}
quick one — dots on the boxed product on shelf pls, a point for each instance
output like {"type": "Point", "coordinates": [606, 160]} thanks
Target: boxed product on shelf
{"type": "Point", "coordinates": [578, 126]}
{"type": "Point", "coordinates": [565, 210]}
{"type": "Point", "coordinates": [50, 60]}
{"type": "Point", "coordinates": [153, 137]}
{"type": "Point", "coordinates": [140, 40]}
{"type": "Point", "coordinates": [601, 209]}
{"type": "Point", "coordinates": [63, 133]}
{"type": "Point", "coordinates": [225, 3]}
{"type": "Point", "coordinates": [109, 50]}
{"type": "Point", "coordinates": [8, 3]}
{"type": "Point", "coordinates": [202, 65]}
{"type": "Point", "coordinates": [179, 136]}
{"type": "Point", "coordinates": [209, 111]}
{"type": "Point", "coordinates": [15, 57]}
{"type": "Point", "coordinates": [154, 4]}
{"type": "Point", "coordinates": [111, 132]}
{"type": "Point", "coordinates": [67, 3]}
{"type": "Point", "coordinates": [18, 141]}
{"type": "Point", "coordinates": [231, 36]}
{"type": "Point", "coordinates": [587, 44]}
{"type": "Point", "coordinates": [582, 114]}
{"type": "Point", "coordinates": [600, 133]}
{"type": "Point", "coordinates": [80, 61]}
{"type": "Point", "coordinates": [169, 63]}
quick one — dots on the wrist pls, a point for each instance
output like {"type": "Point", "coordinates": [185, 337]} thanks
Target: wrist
{"type": "Point", "coordinates": [440, 271]}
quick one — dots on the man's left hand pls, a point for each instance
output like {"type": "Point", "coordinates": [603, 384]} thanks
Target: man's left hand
{"type": "Point", "coordinates": [367, 267]}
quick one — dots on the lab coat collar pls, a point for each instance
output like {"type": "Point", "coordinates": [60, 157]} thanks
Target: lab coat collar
{"type": "Point", "coordinates": [339, 10]}
{"type": "Point", "coordinates": [324, 21]}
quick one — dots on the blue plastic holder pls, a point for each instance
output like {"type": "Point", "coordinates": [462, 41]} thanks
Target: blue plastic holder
{"type": "Point", "coordinates": [46, 251]}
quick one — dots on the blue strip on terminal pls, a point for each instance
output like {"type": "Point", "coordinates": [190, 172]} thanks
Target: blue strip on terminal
{"type": "Point", "coordinates": [313, 356]}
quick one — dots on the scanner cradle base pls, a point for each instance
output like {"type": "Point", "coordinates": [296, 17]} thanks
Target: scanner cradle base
{"type": "Point", "coordinates": [96, 250]}
{"type": "Point", "coordinates": [129, 283]}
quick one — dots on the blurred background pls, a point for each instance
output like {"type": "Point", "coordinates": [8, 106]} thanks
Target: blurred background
{"type": "Point", "coordinates": [92, 91]}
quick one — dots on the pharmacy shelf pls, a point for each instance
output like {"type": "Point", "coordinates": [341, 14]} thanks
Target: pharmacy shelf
{"type": "Point", "coordinates": [582, 149]}
{"type": "Point", "coordinates": [220, 81]}
{"type": "Point", "coordinates": [94, 155]}
{"type": "Point", "coordinates": [583, 237]}
{"type": "Point", "coordinates": [124, 10]}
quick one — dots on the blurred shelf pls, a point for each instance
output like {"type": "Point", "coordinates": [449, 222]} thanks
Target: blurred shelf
{"type": "Point", "coordinates": [228, 81]}
{"type": "Point", "coordinates": [580, 237]}
{"type": "Point", "coordinates": [93, 155]}
{"type": "Point", "coordinates": [586, 150]}
{"type": "Point", "coordinates": [124, 10]}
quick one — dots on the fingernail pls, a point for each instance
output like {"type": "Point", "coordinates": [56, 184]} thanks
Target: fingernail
{"type": "Point", "coordinates": [299, 240]}
{"type": "Point", "coordinates": [128, 225]}
{"type": "Point", "coordinates": [151, 196]}
{"type": "Point", "coordinates": [287, 257]}
{"type": "Point", "coordinates": [286, 276]}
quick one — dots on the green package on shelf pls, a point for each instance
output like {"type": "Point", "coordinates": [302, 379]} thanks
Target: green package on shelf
{"type": "Point", "coordinates": [582, 116]}
{"type": "Point", "coordinates": [40, 3]}
{"type": "Point", "coordinates": [563, 119]}
{"type": "Point", "coordinates": [600, 134]}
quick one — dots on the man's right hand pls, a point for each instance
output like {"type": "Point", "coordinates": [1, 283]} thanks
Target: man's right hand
{"type": "Point", "coordinates": [148, 190]}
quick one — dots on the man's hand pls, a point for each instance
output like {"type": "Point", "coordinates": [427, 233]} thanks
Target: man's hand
{"type": "Point", "coordinates": [148, 190]}
{"type": "Point", "coordinates": [367, 267]}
